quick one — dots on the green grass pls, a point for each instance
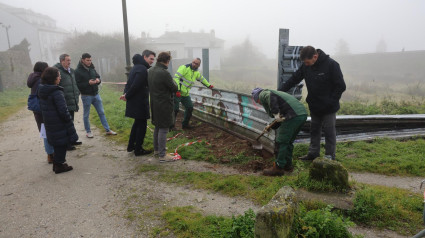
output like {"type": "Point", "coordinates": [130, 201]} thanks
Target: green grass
{"type": "Point", "coordinates": [187, 222]}
{"type": "Point", "coordinates": [390, 208]}
{"type": "Point", "coordinates": [259, 189]}
{"type": "Point", "coordinates": [385, 106]}
{"type": "Point", "coordinates": [11, 101]}
{"type": "Point", "coordinates": [384, 156]}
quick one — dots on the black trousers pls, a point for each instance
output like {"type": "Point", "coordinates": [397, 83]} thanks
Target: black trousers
{"type": "Point", "coordinates": [137, 135]}
{"type": "Point", "coordinates": [60, 154]}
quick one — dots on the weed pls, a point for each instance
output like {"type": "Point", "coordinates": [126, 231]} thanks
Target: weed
{"type": "Point", "coordinates": [188, 222]}
{"type": "Point", "coordinates": [320, 223]}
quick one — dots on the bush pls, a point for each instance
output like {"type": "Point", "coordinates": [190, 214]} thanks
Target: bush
{"type": "Point", "coordinates": [320, 223]}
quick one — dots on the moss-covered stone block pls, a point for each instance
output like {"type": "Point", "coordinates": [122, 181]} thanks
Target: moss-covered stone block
{"type": "Point", "coordinates": [275, 219]}
{"type": "Point", "coordinates": [331, 171]}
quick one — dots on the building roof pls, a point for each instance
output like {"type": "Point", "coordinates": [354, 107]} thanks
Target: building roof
{"type": "Point", "coordinates": [189, 39]}
{"type": "Point", "coordinates": [39, 21]}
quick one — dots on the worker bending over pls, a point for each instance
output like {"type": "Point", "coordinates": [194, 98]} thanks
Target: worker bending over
{"type": "Point", "coordinates": [290, 115]}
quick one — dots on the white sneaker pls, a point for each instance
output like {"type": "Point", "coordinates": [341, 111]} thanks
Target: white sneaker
{"type": "Point", "coordinates": [111, 132]}
{"type": "Point", "coordinates": [166, 158]}
{"type": "Point", "coordinates": [89, 135]}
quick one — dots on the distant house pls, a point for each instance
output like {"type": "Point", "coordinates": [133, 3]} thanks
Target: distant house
{"type": "Point", "coordinates": [39, 30]}
{"type": "Point", "coordinates": [187, 45]}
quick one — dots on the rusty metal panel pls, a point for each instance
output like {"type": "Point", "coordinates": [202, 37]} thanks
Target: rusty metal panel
{"type": "Point", "coordinates": [234, 112]}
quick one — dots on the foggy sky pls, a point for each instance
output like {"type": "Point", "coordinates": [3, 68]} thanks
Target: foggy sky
{"type": "Point", "coordinates": [361, 23]}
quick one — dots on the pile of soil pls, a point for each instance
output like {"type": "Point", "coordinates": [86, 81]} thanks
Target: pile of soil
{"type": "Point", "coordinates": [224, 145]}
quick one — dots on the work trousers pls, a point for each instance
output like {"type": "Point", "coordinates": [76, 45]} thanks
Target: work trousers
{"type": "Point", "coordinates": [160, 140]}
{"type": "Point", "coordinates": [284, 140]}
{"type": "Point", "coordinates": [188, 108]}
{"type": "Point", "coordinates": [327, 123]}
{"type": "Point", "coordinates": [137, 134]}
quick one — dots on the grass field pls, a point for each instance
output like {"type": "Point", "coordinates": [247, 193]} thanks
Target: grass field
{"type": "Point", "coordinates": [12, 101]}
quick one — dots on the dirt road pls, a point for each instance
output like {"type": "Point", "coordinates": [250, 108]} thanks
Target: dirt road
{"type": "Point", "coordinates": [35, 202]}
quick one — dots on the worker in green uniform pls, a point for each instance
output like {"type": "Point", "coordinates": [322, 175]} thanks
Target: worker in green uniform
{"type": "Point", "coordinates": [185, 77]}
{"type": "Point", "coordinates": [290, 115]}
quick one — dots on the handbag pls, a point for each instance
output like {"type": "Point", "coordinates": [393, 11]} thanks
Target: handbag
{"type": "Point", "coordinates": [34, 103]}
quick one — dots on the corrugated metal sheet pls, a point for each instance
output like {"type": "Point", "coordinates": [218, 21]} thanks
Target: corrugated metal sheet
{"type": "Point", "coordinates": [236, 113]}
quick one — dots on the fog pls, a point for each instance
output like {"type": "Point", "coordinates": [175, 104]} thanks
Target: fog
{"type": "Point", "coordinates": [361, 24]}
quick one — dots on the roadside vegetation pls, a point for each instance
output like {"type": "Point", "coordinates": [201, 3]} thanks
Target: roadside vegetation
{"type": "Point", "coordinates": [12, 100]}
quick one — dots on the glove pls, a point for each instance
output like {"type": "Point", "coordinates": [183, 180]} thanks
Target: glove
{"type": "Point", "coordinates": [276, 125]}
{"type": "Point", "coordinates": [211, 86]}
{"type": "Point", "coordinates": [178, 94]}
{"type": "Point", "coordinates": [278, 118]}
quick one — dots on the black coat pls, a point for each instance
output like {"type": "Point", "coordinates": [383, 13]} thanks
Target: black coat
{"type": "Point", "coordinates": [82, 77]}
{"type": "Point", "coordinates": [162, 89]}
{"type": "Point", "coordinates": [57, 120]}
{"type": "Point", "coordinates": [324, 81]}
{"type": "Point", "coordinates": [69, 87]}
{"type": "Point", "coordinates": [137, 90]}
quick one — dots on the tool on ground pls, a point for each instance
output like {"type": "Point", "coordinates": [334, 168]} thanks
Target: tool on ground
{"type": "Point", "coordinates": [256, 144]}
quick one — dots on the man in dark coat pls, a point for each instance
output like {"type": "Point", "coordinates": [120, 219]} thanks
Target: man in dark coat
{"type": "Point", "coordinates": [325, 85]}
{"type": "Point", "coordinates": [60, 129]}
{"type": "Point", "coordinates": [136, 94]}
{"type": "Point", "coordinates": [87, 81]}
{"type": "Point", "coordinates": [162, 89]}
{"type": "Point", "coordinates": [70, 88]}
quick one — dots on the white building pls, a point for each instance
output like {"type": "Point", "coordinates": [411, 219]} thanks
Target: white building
{"type": "Point", "coordinates": [39, 30]}
{"type": "Point", "coordinates": [187, 45]}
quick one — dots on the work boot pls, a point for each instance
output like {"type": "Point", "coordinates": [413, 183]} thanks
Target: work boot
{"type": "Point", "coordinates": [288, 169]}
{"type": "Point", "coordinates": [274, 171]}
{"type": "Point", "coordinates": [308, 157]}
{"type": "Point", "coordinates": [61, 168]}
{"type": "Point", "coordinates": [187, 127]}
{"type": "Point", "coordinates": [50, 158]}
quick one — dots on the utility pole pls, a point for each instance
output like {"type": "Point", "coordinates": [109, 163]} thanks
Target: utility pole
{"type": "Point", "coordinates": [7, 32]}
{"type": "Point", "coordinates": [126, 41]}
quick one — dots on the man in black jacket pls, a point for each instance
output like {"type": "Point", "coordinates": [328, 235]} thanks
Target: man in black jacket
{"type": "Point", "coordinates": [325, 85]}
{"type": "Point", "coordinates": [136, 94]}
{"type": "Point", "coordinates": [87, 81]}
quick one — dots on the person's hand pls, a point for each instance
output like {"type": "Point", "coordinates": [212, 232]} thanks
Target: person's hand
{"type": "Point", "coordinates": [178, 94]}
{"type": "Point", "coordinates": [211, 86]}
{"type": "Point", "coordinates": [278, 117]}
{"type": "Point", "coordinates": [92, 81]}
{"type": "Point", "coordinates": [122, 97]}
{"type": "Point", "coordinates": [97, 81]}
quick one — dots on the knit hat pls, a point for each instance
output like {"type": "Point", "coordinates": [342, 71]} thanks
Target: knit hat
{"type": "Point", "coordinates": [256, 93]}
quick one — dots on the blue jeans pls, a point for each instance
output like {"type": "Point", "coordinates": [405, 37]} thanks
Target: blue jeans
{"type": "Point", "coordinates": [97, 103]}
{"type": "Point", "coordinates": [47, 147]}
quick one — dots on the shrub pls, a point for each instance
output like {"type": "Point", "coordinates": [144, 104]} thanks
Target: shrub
{"type": "Point", "coordinates": [320, 223]}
